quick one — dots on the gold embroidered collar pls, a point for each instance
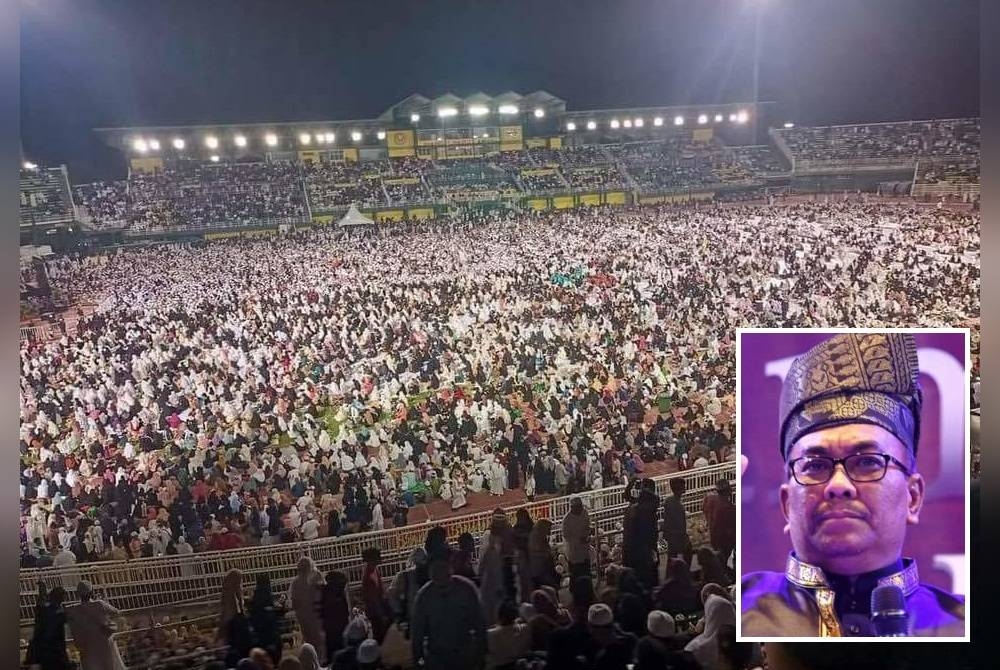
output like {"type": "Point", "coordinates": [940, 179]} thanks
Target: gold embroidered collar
{"type": "Point", "coordinates": [809, 576]}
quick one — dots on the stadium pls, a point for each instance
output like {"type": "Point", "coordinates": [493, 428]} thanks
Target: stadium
{"type": "Point", "coordinates": [270, 370]}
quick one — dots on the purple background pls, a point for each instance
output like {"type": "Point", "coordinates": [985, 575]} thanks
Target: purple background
{"type": "Point", "coordinates": [942, 521]}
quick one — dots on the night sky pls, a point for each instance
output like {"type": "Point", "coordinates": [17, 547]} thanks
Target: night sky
{"type": "Point", "coordinates": [87, 64]}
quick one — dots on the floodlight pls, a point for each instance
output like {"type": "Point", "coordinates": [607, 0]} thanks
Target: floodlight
{"type": "Point", "coordinates": [445, 112]}
{"type": "Point", "coordinates": [718, 118]}
{"type": "Point", "coordinates": [627, 123]}
{"type": "Point", "coordinates": [478, 110]}
{"type": "Point", "coordinates": [356, 136]}
{"type": "Point", "coordinates": [658, 121]}
{"type": "Point", "coordinates": [240, 141]}
{"type": "Point", "coordinates": [212, 142]}
{"type": "Point", "coordinates": [381, 134]}
{"type": "Point", "coordinates": [702, 119]}
{"type": "Point", "coordinates": [304, 138]}
{"type": "Point", "coordinates": [140, 145]}
{"type": "Point", "coordinates": [678, 120]}
{"type": "Point", "coordinates": [614, 123]}
{"type": "Point", "coordinates": [742, 116]}
{"type": "Point", "coordinates": [732, 118]}
{"type": "Point", "coordinates": [414, 118]}
{"type": "Point", "coordinates": [638, 123]}
{"type": "Point", "coordinates": [570, 126]}
{"type": "Point", "coordinates": [329, 137]}
{"type": "Point", "coordinates": [508, 109]}
{"type": "Point", "coordinates": [271, 140]}
{"type": "Point", "coordinates": [154, 145]}
{"type": "Point", "coordinates": [591, 125]}
{"type": "Point", "coordinates": [539, 113]}
{"type": "Point", "coordinates": [28, 165]}
{"type": "Point", "coordinates": [320, 138]}
{"type": "Point", "coordinates": [789, 124]}
{"type": "Point", "coordinates": [178, 143]}
{"type": "Point", "coordinates": [214, 159]}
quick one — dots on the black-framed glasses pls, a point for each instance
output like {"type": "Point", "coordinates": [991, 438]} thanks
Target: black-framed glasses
{"type": "Point", "coordinates": [863, 467]}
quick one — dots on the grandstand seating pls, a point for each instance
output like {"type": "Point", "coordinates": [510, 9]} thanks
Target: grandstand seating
{"type": "Point", "coordinates": [45, 197]}
{"type": "Point", "coordinates": [902, 140]}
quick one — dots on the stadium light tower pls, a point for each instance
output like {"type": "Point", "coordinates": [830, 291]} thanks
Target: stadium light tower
{"type": "Point", "coordinates": [591, 125]}
{"type": "Point", "coordinates": [658, 121]}
{"type": "Point", "coordinates": [508, 109]}
{"type": "Point", "coordinates": [356, 136]}
{"type": "Point", "coordinates": [627, 123]}
{"type": "Point", "coordinates": [414, 118]}
{"type": "Point", "coordinates": [539, 113]}
{"type": "Point", "coordinates": [478, 110]}
{"type": "Point", "coordinates": [614, 123]}
{"type": "Point", "coordinates": [718, 118]}
{"type": "Point", "coordinates": [381, 134]}
{"type": "Point", "coordinates": [758, 7]}
{"type": "Point", "coordinates": [445, 112]}
{"type": "Point", "coordinates": [639, 122]}
{"type": "Point", "coordinates": [212, 142]}
{"type": "Point", "coordinates": [178, 143]}
{"type": "Point", "coordinates": [240, 141]}
{"type": "Point", "coordinates": [28, 165]}
{"type": "Point", "coordinates": [271, 140]}
{"type": "Point", "coordinates": [571, 126]}
{"type": "Point", "coordinates": [329, 137]}
{"type": "Point", "coordinates": [154, 145]}
{"type": "Point", "coordinates": [678, 120]}
{"type": "Point", "coordinates": [304, 138]}
{"type": "Point", "coordinates": [214, 158]}
{"type": "Point", "coordinates": [140, 145]}
{"type": "Point", "coordinates": [702, 119]}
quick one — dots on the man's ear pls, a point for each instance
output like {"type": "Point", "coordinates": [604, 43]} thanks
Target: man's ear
{"type": "Point", "coordinates": [783, 493]}
{"type": "Point", "coordinates": [915, 487]}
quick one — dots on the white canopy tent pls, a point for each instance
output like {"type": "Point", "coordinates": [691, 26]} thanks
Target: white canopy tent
{"type": "Point", "coordinates": [354, 218]}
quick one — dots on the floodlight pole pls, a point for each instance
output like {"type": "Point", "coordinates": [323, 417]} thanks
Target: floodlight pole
{"type": "Point", "coordinates": [756, 65]}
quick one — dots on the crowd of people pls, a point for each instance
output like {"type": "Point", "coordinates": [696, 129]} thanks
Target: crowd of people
{"type": "Point", "coordinates": [957, 171]}
{"type": "Point", "coordinates": [904, 140]}
{"type": "Point", "coordinates": [246, 392]}
{"type": "Point", "coordinates": [508, 599]}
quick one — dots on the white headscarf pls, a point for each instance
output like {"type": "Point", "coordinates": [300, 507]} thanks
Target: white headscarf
{"type": "Point", "coordinates": [718, 613]}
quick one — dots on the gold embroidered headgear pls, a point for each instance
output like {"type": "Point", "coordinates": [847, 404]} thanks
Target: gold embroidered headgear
{"type": "Point", "coordinates": [853, 378]}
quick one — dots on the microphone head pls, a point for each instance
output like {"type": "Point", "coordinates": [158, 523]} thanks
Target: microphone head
{"type": "Point", "coordinates": [887, 599]}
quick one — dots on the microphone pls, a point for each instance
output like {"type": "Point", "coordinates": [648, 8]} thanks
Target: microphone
{"type": "Point", "coordinates": [889, 616]}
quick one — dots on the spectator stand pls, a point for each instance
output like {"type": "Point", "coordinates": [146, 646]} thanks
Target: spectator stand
{"type": "Point", "coordinates": [45, 196]}
{"type": "Point", "coordinates": [155, 583]}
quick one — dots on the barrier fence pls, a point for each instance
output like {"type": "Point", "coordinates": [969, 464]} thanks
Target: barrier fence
{"type": "Point", "coordinates": [169, 581]}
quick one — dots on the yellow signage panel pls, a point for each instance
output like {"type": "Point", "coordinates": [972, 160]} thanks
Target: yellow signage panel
{"type": "Point", "coordinates": [323, 218]}
{"type": "Point", "coordinates": [221, 236]}
{"type": "Point", "coordinates": [645, 200]}
{"type": "Point", "coordinates": [399, 139]}
{"type": "Point", "coordinates": [562, 201]}
{"type": "Point", "coordinates": [535, 143]}
{"type": "Point", "coordinates": [511, 134]}
{"type": "Point", "coordinates": [389, 215]}
{"type": "Point", "coordinates": [421, 214]}
{"type": "Point", "coordinates": [351, 155]}
{"type": "Point", "coordinates": [399, 153]}
{"type": "Point", "coordinates": [147, 165]}
{"type": "Point", "coordinates": [309, 156]}
{"type": "Point", "coordinates": [702, 135]}
{"type": "Point", "coordinates": [555, 143]}
{"type": "Point", "coordinates": [538, 203]}
{"type": "Point", "coordinates": [590, 199]}
{"type": "Point", "coordinates": [616, 198]}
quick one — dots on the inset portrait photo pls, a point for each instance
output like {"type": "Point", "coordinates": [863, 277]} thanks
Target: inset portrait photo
{"type": "Point", "coordinates": [853, 507]}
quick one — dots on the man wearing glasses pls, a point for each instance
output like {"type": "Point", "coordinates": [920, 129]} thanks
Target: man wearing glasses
{"type": "Point", "coordinates": [849, 431]}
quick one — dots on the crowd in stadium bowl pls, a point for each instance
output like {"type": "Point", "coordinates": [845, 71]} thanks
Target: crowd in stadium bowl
{"type": "Point", "coordinates": [542, 182]}
{"type": "Point", "coordinates": [262, 391]}
{"type": "Point", "coordinates": [949, 172]}
{"type": "Point", "coordinates": [904, 140]}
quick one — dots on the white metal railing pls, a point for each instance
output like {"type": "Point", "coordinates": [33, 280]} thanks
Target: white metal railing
{"type": "Point", "coordinates": [176, 580]}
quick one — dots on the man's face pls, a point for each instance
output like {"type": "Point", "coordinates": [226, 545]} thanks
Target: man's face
{"type": "Point", "coordinates": [849, 527]}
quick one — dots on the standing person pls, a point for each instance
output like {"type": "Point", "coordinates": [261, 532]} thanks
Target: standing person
{"type": "Point", "coordinates": [404, 587]}
{"type": "Point", "coordinates": [373, 594]}
{"type": "Point", "coordinates": [542, 563]}
{"type": "Point", "coordinates": [719, 612]}
{"type": "Point", "coordinates": [448, 630]}
{"type": "Point", "coordinates": [335, 610]}
{"type": "Point", "coordinates": [303, 596]}
{"type": "Point", "coordinates": [264, 617]}
{"type": "Point", "coordinates": [576, 538]}
{"type": "Point", "coordinates": [90, 623]}
{"type": "Point", "coordinates": [722, 522]}
{"type": "Point", "coordinates": [462, 559]}
{"type": "Point", "coordinates": [674, 524]}
{"type": "Point", "coordinates": [491, 579]}
{"type": "Point", "coordinates": [35, 646]}
{"type": "Point", "coordinates": [230, 603]}
{"type": "Point", "coordinates": [50, 633]}
{"type": "Point", "coordinates": [639, 534]}
{"type": "Point", "coordinates": [520, 565]}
